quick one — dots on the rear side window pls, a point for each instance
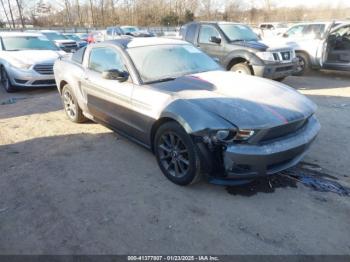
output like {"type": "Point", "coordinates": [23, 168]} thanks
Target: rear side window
{"type": "Point", "coordinates": [105, 58]}
{"type": "Point", "coordinates": [78, 56]}
{"type": "Point", "coordinates": [191, 33]}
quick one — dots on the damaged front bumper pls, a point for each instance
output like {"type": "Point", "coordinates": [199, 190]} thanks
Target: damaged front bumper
{"type": "Point", "coordinates": [244, 162]}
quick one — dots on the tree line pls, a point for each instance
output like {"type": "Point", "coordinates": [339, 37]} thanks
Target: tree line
{"type": "Point", "coordinates": [102, 13]}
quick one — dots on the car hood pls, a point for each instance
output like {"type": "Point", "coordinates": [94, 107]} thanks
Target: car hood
{"type": "Point", "coordinates": [264, 45]}
{"type": "Point", "coordinates": [258, 45]}
{"type": "Point", "coordinates": [36, 56]}
{"type": "Point", "coordinates": [244, 101]}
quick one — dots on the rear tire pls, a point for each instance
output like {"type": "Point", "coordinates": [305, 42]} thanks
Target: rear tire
{"type": "Point", "coordinates": [280, 79]}
{"type": "Point", "coordinates": [5, 81]}
{"type": "Point", "coordinates": [242, 68]}
{"type": "Point", "coordinates": [71, 106]}
{"type": "Point", "coordinates": [177, 156]}
{"type": "Point", "coordinates": [303, 66]}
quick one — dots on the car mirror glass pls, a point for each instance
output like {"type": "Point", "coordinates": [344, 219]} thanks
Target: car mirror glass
{"type": "Point", "coordinates": [215, 40]}
{"type": "Point", "coordinates": [115, 74]}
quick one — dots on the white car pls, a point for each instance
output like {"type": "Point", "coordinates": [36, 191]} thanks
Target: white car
{"type": "Point", "coordinates": [320, 45]}
{"type": "Point", "coordinates": [26, 60]}
{"type": "Point", "coordinates": [61, 41]}
{"type": "Point", "coordinates": [272, 29]}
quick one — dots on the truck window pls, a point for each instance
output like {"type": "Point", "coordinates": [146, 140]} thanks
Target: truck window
{"type": "Point", "coordinates": [206, 32]}
{"type": "Point", "coordinates": [104, 58]}
{"type": "Point", "coordinates": [295, 31]}
{"type": "Point", "coordinates": [315, 29]}
{"type": "Point", "coordinates": [191, 33]}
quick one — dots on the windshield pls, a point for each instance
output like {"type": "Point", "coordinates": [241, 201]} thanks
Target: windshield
{"type": "Point", "coordinates": [129, 29]}
{"type": "Point", "coordinates": [55, 36]}
{"type": "Point", "coordinates": [156, 63]}
{"type": "Point", "coordinates": [236, 32]}
{"type": "Point", "coordinates": [73, 37]}
{"type": "Point", "coordinates": [16, 43]}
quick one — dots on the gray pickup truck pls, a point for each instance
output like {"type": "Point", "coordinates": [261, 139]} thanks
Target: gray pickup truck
{"type": "Point", "coordinates": [237, 48]}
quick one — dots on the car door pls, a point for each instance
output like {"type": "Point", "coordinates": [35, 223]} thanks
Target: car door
{"type": "Point", "coordinates": [215, 50]}
{"type": "Point", "coordinates": [336, 49]}
{"type": "Point", "coordinates": [109, 101]}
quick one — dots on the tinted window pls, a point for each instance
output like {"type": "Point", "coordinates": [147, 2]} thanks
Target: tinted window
{"type": "Point", "coordinates": [191, 33]}
{"type": "Point", "coordinates": [163, 61]}
{"type": "Point", "coordinates": [78, 56]}
{"type": "Point", "coordinates": [206, 32]}
{"type": "Point", "coordinates": [104, 58]}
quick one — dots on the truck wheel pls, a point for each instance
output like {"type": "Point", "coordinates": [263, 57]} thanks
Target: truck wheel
{"type": "Point", "coordinates": [71, 107]}
{"type": "Point", "coordinates": [177, 156]}
{"type": "Point", "coordinates": [280, 79]}
{"type": "Point", "coordinates": [303, 65]}
{"type": "Point", "coordinates": [5, 81]}
{"type": "Point", "coordinates": [242, 68]}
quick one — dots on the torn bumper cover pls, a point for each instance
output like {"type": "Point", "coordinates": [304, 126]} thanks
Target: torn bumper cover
{"type": "Point", "coordinates": [246, 161]}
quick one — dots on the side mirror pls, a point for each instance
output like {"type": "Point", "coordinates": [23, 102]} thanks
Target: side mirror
{"type": "Point", "coordinates": [115, 74]}
{"type": "Point", "coordinates": [215, 40]}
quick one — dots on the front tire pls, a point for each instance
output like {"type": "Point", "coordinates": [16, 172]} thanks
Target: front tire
{"type": "Point", "coordinates": [303, 66]}
{"type": "Point", "coordinates": [177, 156]}
{"type": "Point", "coordinates": [242, 68]}
{"type": "Point", "coordinates": [5, 81]}
{"type": "Point", "coordinates": [71, 106]}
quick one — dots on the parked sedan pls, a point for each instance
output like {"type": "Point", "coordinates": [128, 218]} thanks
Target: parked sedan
{"type": "Point", "coordinates": [197, 118]}
{"type": "Point", "coordinates": [26, 60]}
{"type": "Point", "coordinates": [81, 43]}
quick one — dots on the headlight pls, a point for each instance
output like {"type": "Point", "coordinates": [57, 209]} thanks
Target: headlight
{"type": "Point", "coordinates": [293, 54]}
{"type": "Point", "coordinates": [227, 135]}
{"type": "Point", "coordinates": [244, 134]}
{"type": "Point", "coordinates": [266, 56]}
{"type": "Point", "coordinates": [18, 64]}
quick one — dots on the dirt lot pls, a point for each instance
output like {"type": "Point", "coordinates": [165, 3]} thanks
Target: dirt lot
{"type": "Point", "coordinates": [81, 189]}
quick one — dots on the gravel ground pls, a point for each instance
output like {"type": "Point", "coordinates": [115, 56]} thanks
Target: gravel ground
{"type": "Point", "coordinates": [81, 189]}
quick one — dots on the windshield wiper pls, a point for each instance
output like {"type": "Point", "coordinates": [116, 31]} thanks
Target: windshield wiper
{"type": "Point", "coordinates": [161, 80]}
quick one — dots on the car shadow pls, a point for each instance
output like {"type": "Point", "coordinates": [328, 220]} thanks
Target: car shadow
{"type": "Point", "coordinates": [28, 102]}
{"type": "Point", "coordinates": [262, 185]}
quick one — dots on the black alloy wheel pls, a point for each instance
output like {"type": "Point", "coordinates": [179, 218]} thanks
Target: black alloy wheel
{"type": "Point", "coordinates": [178, 157]}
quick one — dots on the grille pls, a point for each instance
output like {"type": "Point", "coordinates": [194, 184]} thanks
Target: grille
{"type": "Point", "coordinates": [284, 130]}
{"type": "Point", "coordinates": [44, 69]}
{"type": "Point", "coordinates": [284, 68]}
{"type": "Point", "coordinates": [69, 46]}
{"type": "Point", "coordinates": [44, 82]}
{"type": "Point", "coordinates": [285, 56]}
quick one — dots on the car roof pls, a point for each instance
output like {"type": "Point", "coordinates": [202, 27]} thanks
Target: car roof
{"type": "Point", "coordinates": [129, 42]}
{"type": "Point", "coordinates": [216, 22]}
{"type": "Point", "coordinates": [4, 34]}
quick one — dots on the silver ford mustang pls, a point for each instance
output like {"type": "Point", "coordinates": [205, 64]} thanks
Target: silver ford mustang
{"type": "Point", "coordinates": [196, 118]}
{"type": "Point", "coordinates": [26, 60]}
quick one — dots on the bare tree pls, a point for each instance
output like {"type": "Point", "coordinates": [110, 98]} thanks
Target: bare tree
{"type": "Point", "coordinates": [20, 13]}
{"type": "Point", "coordinates": [10, 8]}
{"type": "Point", "coordinates": [5, 12]}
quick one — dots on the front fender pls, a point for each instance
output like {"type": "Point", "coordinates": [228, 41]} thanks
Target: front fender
{"type": "Point", "coordinates": [193, 118]}
{"type": "Point", "coordinates": [241, 53]}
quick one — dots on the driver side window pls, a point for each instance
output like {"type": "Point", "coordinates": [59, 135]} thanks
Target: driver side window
{"type": "Point", "coordinates": [105, 58]}
{"type": "Point", "coordinates": [206, 32]}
